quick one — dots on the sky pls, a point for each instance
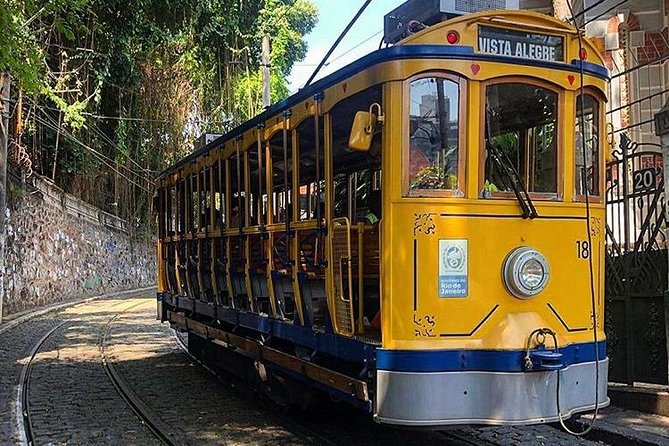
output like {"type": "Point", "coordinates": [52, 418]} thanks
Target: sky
{"type": "Point", "coordinates": [333, 17]}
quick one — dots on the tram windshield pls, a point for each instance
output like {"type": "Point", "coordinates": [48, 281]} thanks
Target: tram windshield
{"type": "Point", "coordinates": [521, 121]}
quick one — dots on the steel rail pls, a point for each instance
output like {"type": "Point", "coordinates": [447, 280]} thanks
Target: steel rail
{"type": "Point", "coordinates": [157, 426]}
{"type": "Point", "coordinates": [23, 419]}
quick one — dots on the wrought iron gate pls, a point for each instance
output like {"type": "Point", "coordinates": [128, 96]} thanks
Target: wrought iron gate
{"type": "Point", "coordinates": [636, 265]}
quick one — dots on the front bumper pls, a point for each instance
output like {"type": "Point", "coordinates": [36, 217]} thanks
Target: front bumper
{"type": "Point", "coordinates": [488, 398]}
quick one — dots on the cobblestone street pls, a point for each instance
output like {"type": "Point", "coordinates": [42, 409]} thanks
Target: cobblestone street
{"type": "Point", "coordinates": [73, 401]}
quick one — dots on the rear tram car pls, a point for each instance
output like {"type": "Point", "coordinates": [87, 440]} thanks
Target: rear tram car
{"type": "Point", "coordinates": [420, 234]}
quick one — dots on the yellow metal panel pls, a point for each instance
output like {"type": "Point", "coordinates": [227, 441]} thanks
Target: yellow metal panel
{"type": "Point", "coordinates": [162, 270]}
{"type": "Point", "coordinates": [490, 241]}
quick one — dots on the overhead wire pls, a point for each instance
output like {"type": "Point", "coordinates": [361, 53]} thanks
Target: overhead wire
{"type": "Point", "coordinates": [338, 41]}
{"type": "Point", "coordinates": [105, 160]}
{"type": "Point", "coordinates": [56, 127]}
{"type": "Point", "coordinates": [353, 48]}
{"type": "Point", "coordinates": [622, 2]}
{"type": "Point", "coordinates": [586, 10]}
{"type": "Point", "coordinates": [106, 139]}
{"type": "Point", "coordinates": [113, 118]}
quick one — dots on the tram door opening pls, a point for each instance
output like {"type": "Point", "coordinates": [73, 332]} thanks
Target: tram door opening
{"type": "Point", "coordinates": [357, 203]}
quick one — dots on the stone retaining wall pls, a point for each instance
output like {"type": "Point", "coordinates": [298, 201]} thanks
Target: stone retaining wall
{"type": "Point", "coordinates": [60, 248]}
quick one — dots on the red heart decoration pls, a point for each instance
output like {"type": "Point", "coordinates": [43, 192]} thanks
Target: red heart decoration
{"type": "Point", "coordinates": [571, 79]}
{"type": "Point", "coordinates": [476, 68]}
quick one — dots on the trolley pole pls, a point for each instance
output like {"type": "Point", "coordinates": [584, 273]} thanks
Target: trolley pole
{"type": "Point", "coordinates": [662, 130]}
{"type": "Point", "coordinates": [5, 84]}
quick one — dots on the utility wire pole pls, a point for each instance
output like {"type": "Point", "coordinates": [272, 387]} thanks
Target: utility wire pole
{"type": "Point", "coordinates": [266, 91]}
{"type": "Point", "coordinates": [5, 82]}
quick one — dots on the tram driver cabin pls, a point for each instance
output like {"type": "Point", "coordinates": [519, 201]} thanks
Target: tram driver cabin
{"type": "Point", "coordinates": [388, 235]}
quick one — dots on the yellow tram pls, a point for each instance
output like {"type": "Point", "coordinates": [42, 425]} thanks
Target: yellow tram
{"type": "Point", "coordinates": [420, 234]}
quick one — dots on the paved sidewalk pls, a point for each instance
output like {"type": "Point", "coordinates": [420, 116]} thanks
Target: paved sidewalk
{"type": "Point", "coordinates": [618, 426]}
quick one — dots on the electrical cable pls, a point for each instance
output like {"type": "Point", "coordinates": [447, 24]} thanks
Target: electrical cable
{"type": "Point", "coordinates": [106, 161]}
{"type": "Point", "coordinates": [109, 141]}
{"type": "Point", "coordinates": [593, 299]}
{"type": "Point", "coordinates": [586, 10]}
{"type": "Point", "coordinates": [339, 39]}
{"type": "Point", "coordinates": [354, 47]}
{"type": "Point", "coordinates": [605, 12]}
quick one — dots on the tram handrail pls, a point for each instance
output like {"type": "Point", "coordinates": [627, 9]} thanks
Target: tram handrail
{"type": "Point", "coordinates": [348, 326]}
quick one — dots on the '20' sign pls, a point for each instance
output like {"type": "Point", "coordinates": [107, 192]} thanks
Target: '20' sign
{"type": "Point", "coordinates": [645, 179]}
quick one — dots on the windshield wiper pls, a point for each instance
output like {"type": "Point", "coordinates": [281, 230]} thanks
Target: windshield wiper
{"type": "Point", "coordinates": [505, 165]}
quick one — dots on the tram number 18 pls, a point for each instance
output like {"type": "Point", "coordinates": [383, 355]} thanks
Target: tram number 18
{"type": "Point", "coordinates": [583, 248]}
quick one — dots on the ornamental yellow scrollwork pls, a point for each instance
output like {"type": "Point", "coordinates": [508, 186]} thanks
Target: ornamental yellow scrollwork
{"type": "Point", "coordinates": [595, 226]}
{"type": "Point", "coordinates": [424, 224]}
{"type": "Point", "coordinates": [424, 326]}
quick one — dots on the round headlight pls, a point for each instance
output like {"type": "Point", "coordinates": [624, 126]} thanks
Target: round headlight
{"type": "Point", "coordinates": [525, 272]}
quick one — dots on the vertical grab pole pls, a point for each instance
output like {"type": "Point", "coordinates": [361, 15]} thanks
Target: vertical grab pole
{"type": "Point", "coordinates": [178, 237]}
{"type": "Point", "coordinates": [361, 278]}
{"type": "Point", "coordinates": [247, 222]}
{"type": "Point", "coordinates": [261, 219]}
{"type": "Point", "coordinates": [229, 263]}
{"type": "Point", "coordinates": [240, 216]}
{"type": "Point", "coordinates": [319, 220]}
{"type": "Point", "coordinates": [240, 224]}
{"type": "Point", "coordinates": [213, 222]}
{"type": "Point", "coordinates": [200, 228]}
{"type": "Point", "coordinates": [287, 215]}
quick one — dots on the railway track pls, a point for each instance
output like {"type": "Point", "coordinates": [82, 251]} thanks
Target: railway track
{"type": "Point", "coordinates": [164, 433]}
{"type": "Point", "coordinates": [107, 366]}
{"type": "Point", "coordinates": [23, 401]}
{"type": "Point", "coordinates": [161, 430]}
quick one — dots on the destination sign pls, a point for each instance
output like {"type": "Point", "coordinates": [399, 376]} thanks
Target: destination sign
{"type": "Point", "coordinates": [506, 42]}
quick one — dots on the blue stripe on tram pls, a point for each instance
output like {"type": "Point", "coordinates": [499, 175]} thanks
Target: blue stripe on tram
{"type": "Point", "coordinates": [476, 360]}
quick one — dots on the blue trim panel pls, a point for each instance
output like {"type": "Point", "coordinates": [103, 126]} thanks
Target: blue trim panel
{"type": "Point", "coordinates": [591, 68]}
{"type": "Point", "coordinates": [475, 360]}
{"type": "Point", "coordinates": [399, 52]}
{"type": "Point", "coordinates": [327, 343]}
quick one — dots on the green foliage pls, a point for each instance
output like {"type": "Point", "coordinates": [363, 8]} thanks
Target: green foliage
{"type": "Point", "coordinates": [165, 70]}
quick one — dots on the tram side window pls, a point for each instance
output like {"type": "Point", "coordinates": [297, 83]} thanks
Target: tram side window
{"type": "Point", "coordinates": [521, 135]}
{"type": "Point", "coordinates": [310, 199]}
{"type": "Point", "coordinates": [173, 211]}
{"type": "Point", "coordinates": [181, 207]}
{"type": "Point", "coordinates": [218, 195]}
{"type": "Point", "coordinates": [257, 181]}
{"type": "Point", "coordinates": [282, 177]}
{"type": "Point", "coordinates": [194, 202]}
{"type": "Point", "coordinates": [237, 195]}
{"type": "Point", "coordinates": [588, 132]}
{"type": "Point", "coordinates": [434, 135]}
{"type": "Point", "coordinates": [204, 196]}
{"type": "Point", "coordinates": [353, 171]}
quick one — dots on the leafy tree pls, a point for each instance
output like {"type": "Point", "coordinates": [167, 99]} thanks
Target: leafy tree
{"type": "Point", "coordinates": [116, 90]}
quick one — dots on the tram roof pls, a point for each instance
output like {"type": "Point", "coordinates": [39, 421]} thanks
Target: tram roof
{"type": "Point", "coordinates": [393, 53]}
